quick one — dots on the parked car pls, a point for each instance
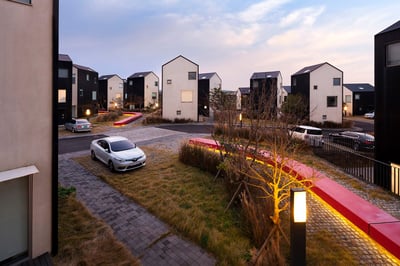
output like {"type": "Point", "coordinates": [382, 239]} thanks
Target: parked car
{"type": "Point", "coordinates": [312, 135]}
{"type": "Point", "coordinates": [370, 115]}
{"type": "Point", "coordinates": [118, 153]}
{"type": "Point", "coordinates": [355, 140]}
{"type": "Point", "coordinates": [78, 125]}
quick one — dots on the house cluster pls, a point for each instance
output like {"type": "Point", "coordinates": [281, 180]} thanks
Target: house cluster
{"type": "Point", "coordinates": [185, 93]}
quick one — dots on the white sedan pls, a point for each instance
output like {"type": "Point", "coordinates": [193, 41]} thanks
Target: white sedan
{"type": "Point", "coordinates": [370, 115]}
{"type": "Point", "coordinates": [118, 153]}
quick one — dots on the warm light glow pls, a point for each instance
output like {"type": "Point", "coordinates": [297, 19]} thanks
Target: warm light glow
{"type": "Point", "coordinates": [345, 107]}
{"type": "Point", "coordinates": [87, 112]}
{"type": "Point", "coordinates": [300, 207]}
{"type": "Point", "coordinates": [240, 116]}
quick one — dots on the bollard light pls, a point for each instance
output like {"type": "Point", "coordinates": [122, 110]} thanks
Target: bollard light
{"type": "Point", "coordinates": [87, 112]}
{"type": "Point", "coordinates": [240, 119]}
{"type": "Point", "coordinates": [298, 219]}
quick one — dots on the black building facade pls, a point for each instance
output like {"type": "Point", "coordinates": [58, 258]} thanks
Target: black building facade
{"type": "Point", "coordinates": [135, 90]}
{"type": "Point", "coordinates": [87, 91]}
{"type": "Point", "coordinates": [387, 94]}
{"type": "Point", "coordinates": [204, 94]}
{"type": "Point", "coordinates": [263, 91]}
{"type": "Point", "coordinates": [64, 89]}
{"type": "Point", "coordinates": [362, 98]}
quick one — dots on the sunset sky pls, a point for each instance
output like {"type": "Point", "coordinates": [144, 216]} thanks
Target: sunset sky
{"type": "Point", "coordinates": [233, 38]}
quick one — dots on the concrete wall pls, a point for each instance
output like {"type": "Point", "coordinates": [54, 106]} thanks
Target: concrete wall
{"type": "Point", "coordinates": [180, 96]}
{"type": "Point", "coordinates": [26, 107]}
{"type": "Point", "coordinates": [150, 87]}
{"type": "Point", "coordinates": [115, 88]}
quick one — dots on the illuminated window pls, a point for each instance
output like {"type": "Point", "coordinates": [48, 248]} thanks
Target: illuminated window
{"type": "Point", "coordinates": [186, 96]}
{"type": "Point", "coordinates": [62, 96]}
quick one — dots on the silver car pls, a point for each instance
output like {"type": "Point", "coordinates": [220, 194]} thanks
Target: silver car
{"type": "Point", "coordinates": [78, 125]}
{"type": "Point", "coordinates": [118, 153]}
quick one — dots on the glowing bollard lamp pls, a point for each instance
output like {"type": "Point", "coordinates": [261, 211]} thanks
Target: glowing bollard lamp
{"type": "Point", "coordinates": [240, 119]}
{"type": "Point", "coordinates": [298, 218]}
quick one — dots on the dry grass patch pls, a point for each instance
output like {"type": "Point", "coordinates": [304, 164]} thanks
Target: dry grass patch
{"type": "Point", "coordinates": [184, 197]}
{"type": "Point", "coordinates": [84, 240]}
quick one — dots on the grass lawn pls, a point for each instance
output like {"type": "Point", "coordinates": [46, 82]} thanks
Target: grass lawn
{"type": "Point", "coordinates": [193, 205]}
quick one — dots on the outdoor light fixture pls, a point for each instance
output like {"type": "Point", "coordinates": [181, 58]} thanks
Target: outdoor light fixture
{"type": "Point", "coordinates": [298, 218]}
{"type": "Point", "coordinates": [87, 112]}
{"type": "Point", "coordinates": [240, 119]}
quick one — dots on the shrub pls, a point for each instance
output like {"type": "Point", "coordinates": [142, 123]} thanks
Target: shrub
{"type": "Point", "coordinates": [199, 157]}
{"type": "Point", "coordinates": [110, 116]}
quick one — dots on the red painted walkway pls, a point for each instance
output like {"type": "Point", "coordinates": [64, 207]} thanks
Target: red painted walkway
{"type": "Point", "coordinates": [379, 225]}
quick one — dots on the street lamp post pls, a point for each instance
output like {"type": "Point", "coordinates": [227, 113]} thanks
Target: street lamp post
{"type": "Point", "coordinates": [298, 218]}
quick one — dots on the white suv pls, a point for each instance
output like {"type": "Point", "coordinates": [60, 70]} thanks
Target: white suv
{"type": "Point", "coordinates": [312, 135]}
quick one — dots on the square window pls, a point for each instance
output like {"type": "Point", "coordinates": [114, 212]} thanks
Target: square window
{"type": "Point", "coordinates": [154, 95]}
{"type": "Point", "coordinates": [348, 98]}
{"type": "Point", "coordinates": [357, 96]}
{"type": "Point", "coordinates": [186, 96]}
{"type": "Point", "coordinates": [336, 82]}
{"type": "Point", "coordinates": [80, 92]}
{"type": "Point", "coordinates": [192, 75]}
{"type": "Point", "coordinates": [169, 81]}
{"type": "Point", "coordinates": [130, 82]}
{"type": "Point", "coordinates": [156, 83]}
{"type": "Point", "coordinates": [331, 101]}
{"type": "Point", "coordinates": [63, 72]}
{"type": "Point", "coordinates": [393, 54]}
{"type": "Point", "coordinates": [315, 87]}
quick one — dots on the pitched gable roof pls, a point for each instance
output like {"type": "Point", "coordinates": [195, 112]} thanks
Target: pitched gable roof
{"type": "Point", "coordinates": [140, 74]}
{"type": "Point", "coordinates": [103, 77]}
{"type": "Point", "coordinates": [181, 57]}
{"type": "Point", "coordinates": [84, 68]}
{"type": "Point", "coordinates": [64, 57]}
{"type": "Point", "coordinates": [264, 75]}
{"type": "Point", "coordinates": [309, 69]}
{"type": "Point", "coordinates": [393, 27]}
{"type": "Point", "coordinates": [358, 87]}
{"type": "Point", "coordinates": [244, 90]}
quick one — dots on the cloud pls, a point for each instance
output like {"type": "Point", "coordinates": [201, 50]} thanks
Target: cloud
{"type": "Point", "coordinates": [259, 10]}
{"type": "Point", "coordinates": [304, 16]}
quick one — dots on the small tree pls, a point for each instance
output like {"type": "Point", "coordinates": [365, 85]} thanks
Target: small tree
{"type": "Point", "coordinates": [258, 166]}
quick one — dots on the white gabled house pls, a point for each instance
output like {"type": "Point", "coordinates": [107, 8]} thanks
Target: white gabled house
{"type": "Point", "coordinates": [142, 90]}
{"type": "Point", "coordinates": [322, 87]}
{"type": "Point", "coordinates": [180, 89]}
{"type": "Point", "coordinates": [111, 89]}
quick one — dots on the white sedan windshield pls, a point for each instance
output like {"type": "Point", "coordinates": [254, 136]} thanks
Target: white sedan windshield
{"type": "Point", "coordinates": [122, 145]}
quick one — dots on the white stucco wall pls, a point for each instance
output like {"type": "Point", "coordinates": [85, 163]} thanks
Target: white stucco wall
{"type": "Point", "coordinates": [347, 92]}
{"type": "Point", "coordinates": [26, 105]}
{"type": "Point", "coordinates": [115, 89]}
{"type": "Point", "coordinates": [150, 82]}
{"type": "Point", "coordinates": [323, 78]}
{"type": "Point", "coordinates": [176, 94]}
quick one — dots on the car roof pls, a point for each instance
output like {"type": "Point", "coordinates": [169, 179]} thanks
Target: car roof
{"type": "Point", "coordinates": [358, 133]}
{"type": "Point", "coordinates": [114, 138]}
{"type": "Point", "coordinates": [308, 127]}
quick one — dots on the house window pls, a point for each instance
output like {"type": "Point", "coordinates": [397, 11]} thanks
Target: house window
{"type": "Point", "coordinates": [336, 82]}
{"type": "Point", "coordinates": [87, 77]}
{"type": "Point", "coordinates": [80, 92]}
{"type": "Point", "coordinates": [94, 95]}
{"type": "Point", "coordinates": [186, 96]}
{"type": "Point", "coordinates": [154, 95]}
{"type": "Point", "coordinates": [23, 1]}
{"type": "Point", "coordinates": [63, 72]}
{"type": "Point", "coordinates": [126, 95]}
{"type": "Point", "coordinates": [73, 78]}
{"type": "Point", "coordinates": [62, 96]}
{"type": "Point", "coordinates": [192, 75]}
{"type": "Point", "coordinates": [110, 88]}
{"type": "Point", "coordinates": [130, 82]}
{"type": "Point", "coordinates": [156, 83]}
{"type": "Point", "coordinates": [315, 87]}
{"type": "Point", "coordinates": [347, 99]}
{"type": "Point", "coordinates": [294, 82]}
{"type": "Point", "coordinates": [357, 96]}
{"type": "Point", "coordinates": [393, 54]}
{"type": "Point", "coordinates": [121, 85]}
{"type": "Point", "coordinates": [331, 101]}
{"type": "Point", "coordinates": [255, 83]}
{"type": "Point", "coordinates": [169, 81]}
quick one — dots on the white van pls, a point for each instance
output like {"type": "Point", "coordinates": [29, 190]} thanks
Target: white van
{"type": "Point", "coordinates": [312, 135]}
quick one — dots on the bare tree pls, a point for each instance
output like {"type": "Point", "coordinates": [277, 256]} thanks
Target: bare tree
{"type": "Point", "coordinates": [259, 154]}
